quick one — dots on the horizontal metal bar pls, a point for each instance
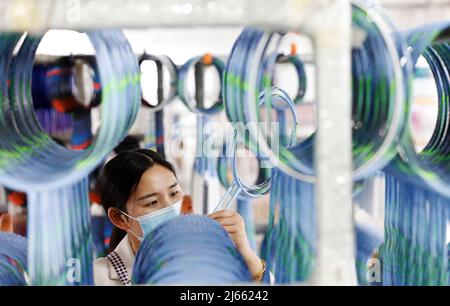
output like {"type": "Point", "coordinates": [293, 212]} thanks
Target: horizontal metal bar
{"type": "Point", "coordinates": [19, 15]}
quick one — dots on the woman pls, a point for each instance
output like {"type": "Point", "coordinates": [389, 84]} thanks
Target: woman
{"type": "Point", "coordinates": [139, 191]}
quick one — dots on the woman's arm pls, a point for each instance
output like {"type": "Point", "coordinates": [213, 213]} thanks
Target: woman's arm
{"type": "Point", "coordinates": [234, 224]}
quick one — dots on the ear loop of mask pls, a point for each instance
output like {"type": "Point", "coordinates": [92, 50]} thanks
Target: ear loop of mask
{"type": "Point", "coordinates": [129, 229]}
{"type": "Point", "coordinates": [140, 239]}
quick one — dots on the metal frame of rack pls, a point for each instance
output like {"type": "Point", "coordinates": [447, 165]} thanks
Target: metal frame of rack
{"type": "Point", "coordinates": [328, 22]}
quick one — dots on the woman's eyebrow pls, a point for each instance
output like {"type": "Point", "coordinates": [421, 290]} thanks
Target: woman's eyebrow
{"type": "Point", "coordinates": [173, 185]}
{"type": "Point", "coordinates": [154, 194]}
{"type": "Point", "coordinates": [147, 196]}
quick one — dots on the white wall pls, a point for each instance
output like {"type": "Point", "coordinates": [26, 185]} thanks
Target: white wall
{"type": "Point", "coordinates": [408, 14]}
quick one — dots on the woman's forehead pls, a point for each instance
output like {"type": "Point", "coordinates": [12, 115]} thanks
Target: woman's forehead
{"type": "Point", "coordinates": [155, 179]}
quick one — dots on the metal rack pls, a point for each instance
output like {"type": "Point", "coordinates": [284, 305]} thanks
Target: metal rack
{"type": "Point", "coordinates": [328, 22]}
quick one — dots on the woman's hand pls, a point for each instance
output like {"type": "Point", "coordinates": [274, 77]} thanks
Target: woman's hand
{"type": "Point", "coordinates": [6, 224]}
{"type": "Point", "coordinates": [234, 224]}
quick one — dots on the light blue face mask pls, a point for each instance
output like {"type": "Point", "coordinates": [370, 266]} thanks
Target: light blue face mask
{"type": "Point", "coordinates": [150, 221]}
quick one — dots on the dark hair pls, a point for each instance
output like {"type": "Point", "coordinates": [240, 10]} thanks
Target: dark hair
{"type": "Point", "coordinates": [128, 143]}
{"type": "Point", "coordinates": [119, 179]}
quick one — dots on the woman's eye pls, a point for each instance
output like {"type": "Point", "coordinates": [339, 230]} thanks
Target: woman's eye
{"type": "Point", "coordinates": [152, 203]}
{"type": "Point", "coordinates": [174, 193]}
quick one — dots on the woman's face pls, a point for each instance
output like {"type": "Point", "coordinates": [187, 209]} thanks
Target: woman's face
{"type": "Point", "coordinates": [157, 189]}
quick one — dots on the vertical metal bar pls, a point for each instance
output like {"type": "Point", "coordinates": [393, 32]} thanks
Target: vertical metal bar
{"type": "Point", "coordinates": [335, 250]}
{"type": "Point", "coordinates": [159, 115]}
